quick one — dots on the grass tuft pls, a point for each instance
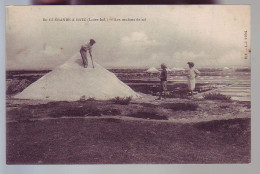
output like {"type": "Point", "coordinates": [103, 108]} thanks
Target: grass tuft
{"type": "Point", "coordinates": [122, 101]}
{"type": "Point", "coordinates": [91, 99]}
{"type": "Point", "coordinates": [216, 96]}
{"type": "Point", "coordinates": [181, 106]}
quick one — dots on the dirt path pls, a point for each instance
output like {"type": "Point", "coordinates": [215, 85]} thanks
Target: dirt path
{"type": "Point", "coordinates": [128, 118]}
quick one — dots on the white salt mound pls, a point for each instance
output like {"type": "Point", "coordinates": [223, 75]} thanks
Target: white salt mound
{"type": "Point", "coordinates": [70, 82]}
{"type": "Point", "coordinates": [152, 69]}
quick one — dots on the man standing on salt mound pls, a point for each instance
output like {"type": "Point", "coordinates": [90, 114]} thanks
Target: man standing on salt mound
{"type": "Point", "coordinates": [87, 47]}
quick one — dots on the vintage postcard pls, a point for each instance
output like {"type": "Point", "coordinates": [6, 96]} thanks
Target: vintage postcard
{"type": "Point", "coordinates": [128, 84]}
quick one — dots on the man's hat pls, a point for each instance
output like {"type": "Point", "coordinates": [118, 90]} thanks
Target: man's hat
{"type": "Point", "coordinates": [92, 41]}
{"type": "Point", "coordinates": [163, 65]}
{"type": "Point", "coordinates": [191, 63]}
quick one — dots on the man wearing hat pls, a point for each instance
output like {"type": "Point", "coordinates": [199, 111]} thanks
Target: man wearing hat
{"type": "Point", "coordinates": [163, 78]}
{"type": "Point", "coordinates": [192, 74]}
{"type": "Point", "coordinates": [83, 51]}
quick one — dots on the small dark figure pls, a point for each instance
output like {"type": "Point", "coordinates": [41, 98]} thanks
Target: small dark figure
{"type": "Point", "coordinates": [83, 51]}
{"type": "Point", "coordinates": [163, 78]}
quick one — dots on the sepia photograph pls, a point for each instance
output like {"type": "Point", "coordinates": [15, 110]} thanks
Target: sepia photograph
{"type": "Point", "coordinates": [128, 84]}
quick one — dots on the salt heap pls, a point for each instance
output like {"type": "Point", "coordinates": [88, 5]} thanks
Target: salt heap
{"type": "Point", "coordinates": [226, 68]}
{"type": "Point", "coordinates": [152, 70]}
{"type": "Point", "coordinates": [70, 82]}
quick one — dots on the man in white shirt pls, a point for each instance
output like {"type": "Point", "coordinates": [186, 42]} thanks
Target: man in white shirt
{"type": "Point", "coordinates": [83, 51]}
{"type": "Point", "coordinates": [192, 74]}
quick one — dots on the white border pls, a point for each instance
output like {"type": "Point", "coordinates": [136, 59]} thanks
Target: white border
{"type": "Point", "coordinates": [148, 168]}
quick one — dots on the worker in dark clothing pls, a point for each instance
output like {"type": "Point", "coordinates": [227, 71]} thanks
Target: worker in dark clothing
{"type": "Point", "coordinates": [163, 78]}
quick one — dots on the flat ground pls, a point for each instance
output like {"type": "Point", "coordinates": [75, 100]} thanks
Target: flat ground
{"type": "Point", "coordinates": [145, 131]}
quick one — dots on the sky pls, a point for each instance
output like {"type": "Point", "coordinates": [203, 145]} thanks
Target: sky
{"type": "Point", "coordinates": [209, 36]}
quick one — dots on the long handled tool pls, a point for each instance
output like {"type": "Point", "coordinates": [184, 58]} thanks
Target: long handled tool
{"type": "Point", "coordinates": [92, 61]}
